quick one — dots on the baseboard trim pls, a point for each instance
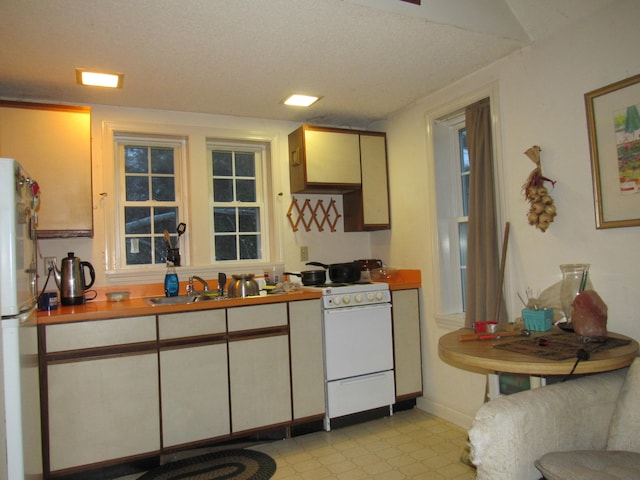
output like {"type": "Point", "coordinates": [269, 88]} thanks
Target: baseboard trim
{"type": "Point", "coordinates": [445, 412]}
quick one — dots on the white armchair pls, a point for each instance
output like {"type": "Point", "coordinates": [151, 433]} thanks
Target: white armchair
{"type": "Point", "coordinates": [597, 412]}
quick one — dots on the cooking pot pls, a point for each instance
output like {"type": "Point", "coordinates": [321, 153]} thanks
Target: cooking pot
{"type": "Point", "coordinates": [369, 264]}
{"type": "Point", "coordinates": [311, 277]}
{"type": "Point", "coordinates": [341, 272]}
{"type": "Point", "coordinates": [243, 285]}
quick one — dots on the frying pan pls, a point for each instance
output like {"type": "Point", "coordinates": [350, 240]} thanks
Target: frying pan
{"type": "Point", "coordinates": [311, 277]}
{"type": "Point", "coordinates": [341, 272]}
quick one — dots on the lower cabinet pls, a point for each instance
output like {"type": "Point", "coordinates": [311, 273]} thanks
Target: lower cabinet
{"type": "Point", "coordinates": [101, 403]}
{"type": "Point", "coordinates": [193, 377]}
{"type": "Point", "coordinates": [259, 379]}
{"type": "Point", "coordinates": [406, 343]}
{"type": "Point", "coordinates": [307, 370]}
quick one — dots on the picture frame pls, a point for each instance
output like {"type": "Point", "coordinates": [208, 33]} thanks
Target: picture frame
{"type": "Point", "coordinates": [613, 121]}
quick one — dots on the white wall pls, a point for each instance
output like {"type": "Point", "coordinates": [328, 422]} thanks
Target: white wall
{"type": "Point", "coordinates": [326, 246]}
{"type": "Point", "coordinates": [541, 93]}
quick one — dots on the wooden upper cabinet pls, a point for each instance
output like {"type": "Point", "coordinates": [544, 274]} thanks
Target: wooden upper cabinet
{"type": "Point", "coordinates": [53, 143]}
{"type": "Point", "coordinates": [323, 160]}
{"type": "Point", "coordinates": [348, 162]}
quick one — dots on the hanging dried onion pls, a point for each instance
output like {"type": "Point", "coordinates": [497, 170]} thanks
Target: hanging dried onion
{"type": "Point", "coordinates": [542, 210]}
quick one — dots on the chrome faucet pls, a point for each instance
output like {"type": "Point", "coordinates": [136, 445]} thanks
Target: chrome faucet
{"type": "Point", "coordinates": [190, 288]}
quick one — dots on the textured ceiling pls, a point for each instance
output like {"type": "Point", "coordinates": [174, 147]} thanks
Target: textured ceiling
{"type": "Point", "coordinates": [367, 58]}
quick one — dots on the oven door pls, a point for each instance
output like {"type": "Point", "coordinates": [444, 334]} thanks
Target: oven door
{"type": "Point", "coordinates": [357, 340]}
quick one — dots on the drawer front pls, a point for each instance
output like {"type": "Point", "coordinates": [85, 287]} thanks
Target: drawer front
{"type": "Point", "coordinates": [358, 394]}
{"type": "Point", "coordinates": [257, 316]}
{"type": "Point", "coordinates": [192, 324]}
{"type": "Point", "coordinates": [100, 333]}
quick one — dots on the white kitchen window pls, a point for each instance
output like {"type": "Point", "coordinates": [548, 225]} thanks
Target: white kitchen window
{"type": "Point", "coordinates": [452, 194]}
{"type": "Point", "coordinates": [150, 200]}
{"type": "Point", "coordinates": [238, 207]}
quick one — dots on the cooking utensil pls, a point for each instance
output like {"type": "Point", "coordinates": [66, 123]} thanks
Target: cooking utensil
{"type": "Point", "coordinates": [222, 281]}
{"type": "Point", "coordinates": [182, 227]}
{"type": "Point", "coordinates": [311, 277]}
{"type": "Point", "coordinates": [369, 263]}
{"type": "Point", "coordinates": [167, 238]}
{"type": "Point", "coordinates": [341, 272]}
{"type": "Point", "coordinates": [493, 336]}
{"type": "Point", "coordinates": [243, 285]}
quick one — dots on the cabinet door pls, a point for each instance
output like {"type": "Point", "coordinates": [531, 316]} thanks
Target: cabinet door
{"type": "Point", "coordinates": [406, 343]}
{"type": "Point", "coordinates": [102, 409]}
{"type": "Point", "coordinates": [332, 157]}
{"type": "Point", "coordinates": [53, 143]}
{"type": "Point", "coordinates": [195, 393]}
{"type": "Point", "coordinates": [194, 378]}
{"type": "Point", "coordinates": [307, 371]}
{"type": "Point", "coordinates": [375, 190]}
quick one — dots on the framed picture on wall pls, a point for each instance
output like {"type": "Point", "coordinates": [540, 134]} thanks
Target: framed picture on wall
{"type": "Point", "coordinates": [613, 120]}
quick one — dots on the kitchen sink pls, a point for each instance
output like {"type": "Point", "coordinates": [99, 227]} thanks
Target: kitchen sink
{"type": "Point", "coordinates": [181, 299]}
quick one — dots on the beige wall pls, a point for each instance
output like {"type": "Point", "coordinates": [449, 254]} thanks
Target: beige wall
{"type": "Point", "coordinates": [541, 102]}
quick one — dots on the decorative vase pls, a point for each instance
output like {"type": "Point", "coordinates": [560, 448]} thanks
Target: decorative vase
{"type": "Point", "coordinates": [574, 277]}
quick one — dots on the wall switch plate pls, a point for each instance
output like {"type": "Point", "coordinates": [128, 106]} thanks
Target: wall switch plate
{"type": "Point", "coordinates": [304, 254]}
{"type": "Point", "coordinates": [48, 261]}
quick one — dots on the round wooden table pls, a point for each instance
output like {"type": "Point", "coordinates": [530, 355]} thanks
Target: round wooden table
{"type": "Point", "coordinates": [480, 356]}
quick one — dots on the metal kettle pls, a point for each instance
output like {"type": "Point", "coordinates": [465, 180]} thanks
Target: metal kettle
{"type": "Point", "coordinates": [243, 285]}
{"type": "Point", "coordinates": [71, 281]}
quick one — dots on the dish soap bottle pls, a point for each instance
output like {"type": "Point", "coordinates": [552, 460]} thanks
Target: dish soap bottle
{"type": "Point", "coordinates": [171, 284]}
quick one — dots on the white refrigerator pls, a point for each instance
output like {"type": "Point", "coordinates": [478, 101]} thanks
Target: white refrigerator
{"type": "Point", "coordinates": [20, 425]}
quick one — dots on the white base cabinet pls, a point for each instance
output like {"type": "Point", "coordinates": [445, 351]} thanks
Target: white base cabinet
{"type": "Point", "coordinates": [102, 409]}
{"type": "Point", "coordinates": [307, 372]}
{"type": "Point", "coordinates": [259, 379]}
{"type": "Point", "coordinates": [193, 376]}
{"type": "Point", "coordinates": [406, 343]}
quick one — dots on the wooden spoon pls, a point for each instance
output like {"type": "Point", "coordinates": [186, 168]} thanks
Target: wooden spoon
{"type": "Point", "coordinates": [167, 237]}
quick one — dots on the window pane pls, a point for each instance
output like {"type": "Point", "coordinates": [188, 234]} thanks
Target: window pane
{"type": "Point", "coordinates": [137, 220]}
{"type": "Point", "coordinates": [162, 160]}
{"type": "Point", "coordinates": [137, 189]}
{"type": "Point", "coordinates": [249, 247]}
{"type": "Point", "coordinates": [138, 250]}
{"type": "Point", "coordinates": [161, 250]}
{"type": "Point", "coordinates": [222, 166]}
{"type": "Point", "coordinates": [464, 151]}
{"type": "Point", "coordinates": [222, 190]}
{"type": "Point", "coordinates": [246, 190]}
{"type": "Point", "coordinates": [164, 189]}
{"type": "Point", "coordinates": [462, 234]}
{"type": "Point", "coordinates": [249, 220]}
{"type": "Point", "coordinates": [245, 164]}
{"type": "Point", "coordinates": [463, 229]}
{"type": "Point", "coordinates": [224, 220]}
{"type": "Point", "coordinates": [225, 247]}
{"type": "Point", "coordinates": [165, 218]}
{"type": "Point", "coordinates": [465, 195]}
{"type": "Point", "coordinates": [136, 160]}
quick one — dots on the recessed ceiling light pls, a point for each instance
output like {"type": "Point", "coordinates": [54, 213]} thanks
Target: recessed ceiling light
{"type": "Point", "coordinates": [97, 79]}
{"type": "Point", "coordinates": [298, 100]}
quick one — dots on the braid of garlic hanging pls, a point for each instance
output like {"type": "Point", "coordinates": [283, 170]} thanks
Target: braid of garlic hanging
{"type": "Point", "coordinates": [542, 210]}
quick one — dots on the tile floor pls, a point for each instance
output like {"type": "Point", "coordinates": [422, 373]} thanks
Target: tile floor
{"type": "Point", "coordinates": [411, 444]}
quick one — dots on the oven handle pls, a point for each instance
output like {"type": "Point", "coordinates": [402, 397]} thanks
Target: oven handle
{"type": "Point", "coordinates": [363, 378]}
{"type": "Point", "coordinates": [374, 306]}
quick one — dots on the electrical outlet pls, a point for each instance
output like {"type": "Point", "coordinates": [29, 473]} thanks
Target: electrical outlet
{"type": "Point", "coordinates": [304, 254]}
{"type": "Point", "coordinates": [48, 261]}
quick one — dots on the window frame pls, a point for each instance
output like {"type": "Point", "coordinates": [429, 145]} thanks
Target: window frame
{"type": "Point", "coordinates": [125, 139]}
{"type": "Point", "coordinates": [262, 174]}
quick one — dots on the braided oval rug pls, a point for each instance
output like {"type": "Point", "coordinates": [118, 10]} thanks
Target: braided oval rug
{"type": "Point", "coordinates": [238, 464]}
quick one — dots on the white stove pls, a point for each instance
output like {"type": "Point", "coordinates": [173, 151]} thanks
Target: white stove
{"type": "Point", "coordinates": [358, 349]}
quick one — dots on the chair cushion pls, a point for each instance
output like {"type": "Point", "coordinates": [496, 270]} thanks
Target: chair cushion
{"type": "Point", "coordinates": [625, 424]}
{"type": "Point", "coordinates": [590, 465]}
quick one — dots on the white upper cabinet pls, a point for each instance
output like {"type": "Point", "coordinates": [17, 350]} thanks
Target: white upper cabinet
{"type": "Point", "coordinates": [53, 143]}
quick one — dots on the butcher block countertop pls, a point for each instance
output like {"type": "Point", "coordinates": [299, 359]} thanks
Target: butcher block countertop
{"type": "Point", "coordinates": [101, 309]}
